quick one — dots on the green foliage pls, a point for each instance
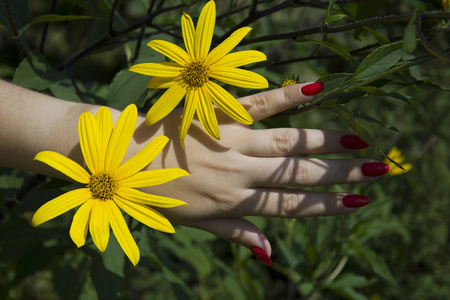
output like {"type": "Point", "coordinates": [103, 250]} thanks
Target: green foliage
{"type": "Point", "coordinates": [382, 75]}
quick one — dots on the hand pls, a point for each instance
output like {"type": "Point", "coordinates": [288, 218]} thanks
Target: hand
{"type": "Point", "coordinates": [248, 172]}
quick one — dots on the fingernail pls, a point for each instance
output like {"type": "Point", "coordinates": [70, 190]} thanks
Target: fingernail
{"type": "Point", "coordinates": [355, 200]}
{"type": "Point", "coordinates": [313, 88]}
{"type": "Point", "coordinates": [374, 169]}
{"type": "Point", "coordinates": [261, 255]}
{"type": "Point", "coordinates": [353, 142]}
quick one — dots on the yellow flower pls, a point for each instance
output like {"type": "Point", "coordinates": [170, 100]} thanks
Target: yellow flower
{"type": "Point", "coordinates": [110, 185]}
{"type": "Point", "coordinates": [290, 81]}
{"type": "Point", "coordinates": [396, 155]}
{"type": "Point", "coordinates": [446, 4]}
{"type": "Point", "coordinates": [191, 72]}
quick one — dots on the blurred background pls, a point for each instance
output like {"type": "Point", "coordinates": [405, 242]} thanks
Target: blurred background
{"type": "Point", "coordinates": [395, 248]}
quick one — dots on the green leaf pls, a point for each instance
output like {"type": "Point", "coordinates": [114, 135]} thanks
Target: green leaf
{"type": "Point", "coordinates": [329, 10]}
{"type": "Point", "coordinates": [51, 18]}
{"type": "Point", "coordinates": [409, 34]}
{"type": "Point", "coordinates": [65, 91]}
{"type": "Point", "coordinates": [377, 264]}
{"type": "Point", "coordinates": [379, 61]}
{"type": "Point", "coordinates": [361, 115]}
{"type": "Point", "coordinates": [34, 73]}
{"type": "Point", "coordinates": [338, 49]}
{"type": "Point", "coordinates": [126, 88]}
{"type": "Point", "coordinates": [347, 115]}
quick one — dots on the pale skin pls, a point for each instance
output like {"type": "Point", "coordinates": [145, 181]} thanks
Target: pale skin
{"type": "Point", "coordinates": [245, 173]}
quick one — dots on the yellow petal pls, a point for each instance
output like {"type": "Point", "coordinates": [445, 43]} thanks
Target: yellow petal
{"type": "Point", "coordinates": [168, 101]}
{"type": "Point", "coordinates": [161, 82]}
{"type": "Point", "coordinates": [188, 30]}
{"type": "Point", "coordinates": [120, 138]}
{"type": "Point", "coordinates": [206, 115]}
{"type": "Point", "coordinates": [89, 133]}
{"type": "Point", "coordinates": [60, 205]}
{"type": "Point", "coordinates": [64, 165]}
{"type": "Point", "coordinates": [139, 197]}
{"type": "Point", "coordinates": [163, 69]}
{"type": "Point", "coordinates": [153, 177]}
{"type": "Point", "coordinates": [239, 77]}
{"type": "Point", "coordinates": [227, 103]}
{"type": "Point", "coordinates": [106, 124]}
{"type": "Point", "coordinates": [142, 158]}
{"type": "Point", "coordinates": [99, 224]}
{"type": "Point", "coordinates": [170, 50]}
{"type": "Point", "coordinates": [226, 46]}
{"type": "Point", "coordinates": [190, 105]}
{"type": "Point", "coordinates": [122, 233]}
{"type": "Point", "coordinates": [79, 227]}
{"type": "Point", "coordinates": [205, 30]}
{"type": "Point", "coordinates": [145, 215]}
{"type": "Point", "coordinates": [240, 58]}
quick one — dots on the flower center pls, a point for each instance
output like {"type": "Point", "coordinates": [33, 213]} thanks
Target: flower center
{"type": "Point", "coordinates": [102, 186]}
{"type": "Point", "coordinates": [196, 74]}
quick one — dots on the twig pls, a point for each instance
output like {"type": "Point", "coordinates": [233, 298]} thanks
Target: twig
{"type": "Point", "coordinates": [111, 18]}
{"type": "Point", "coordinates": [433, 50]}
{"type": "Point", "coordinates": [44, 34]}
{"type": "Point", "coordinates": [141, 34]}
{"type": "Point", "coordinates": [14, 29]}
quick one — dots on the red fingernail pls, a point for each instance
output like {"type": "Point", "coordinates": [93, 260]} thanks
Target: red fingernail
{"type": "Point", "coordinates": [353, 142]}
{"type": "Point", "coordinates": [355, 200]}
{"type": "Point", "coordinates": [313, 88]}
{"type": "Point", "coordinates": [374, 169]}
{"type": "Point", "coordinates": [261, 255]}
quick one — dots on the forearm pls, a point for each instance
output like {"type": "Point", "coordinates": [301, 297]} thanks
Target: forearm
{"type": "Point", "coordinates": [31, 122]}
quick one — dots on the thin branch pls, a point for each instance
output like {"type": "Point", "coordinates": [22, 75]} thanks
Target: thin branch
{"type": "Point", "coordinates": [14, 29]}
{"type": "Point", "coordinates": [420, 34]}
{"type": "Point", "coordinates": [253, 8]}
{"type": "Point", "coordinates": [44, 34]}
{"type": "Point", "coordinates": [141, 34]}
{"type": "Point", "coordinates": [327, 29]}
{"type": "Point", "coordinates": [111, 18]}
{"type": "Point", "coordinates": [289, 3]}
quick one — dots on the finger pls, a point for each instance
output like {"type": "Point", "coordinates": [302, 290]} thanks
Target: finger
{"type": "Point", "coordinates": [306, 172]}
{"type": "Point", "coordinates": [291, 141]}
{"type": "Point", "coordinates": [235, 230]}
{"type": "Point", "coordinates": [290, 203]}
{"type": "Point", "coordinates": [266, 104]}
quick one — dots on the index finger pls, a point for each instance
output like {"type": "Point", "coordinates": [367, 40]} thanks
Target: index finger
{"type": "Point", "coordinates": [266, 104]}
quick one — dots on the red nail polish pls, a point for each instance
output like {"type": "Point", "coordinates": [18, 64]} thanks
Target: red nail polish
{"type": "Point", "coordinates": [261, 255]}
{"type": "Point", "coordinates": [313, 88]}
{"type": "Point", "coordinates": [374, 169]}
{"type": "Point", "coordinates": [355, 200]}
{"type": "Point", "coordinates": [353, 142]}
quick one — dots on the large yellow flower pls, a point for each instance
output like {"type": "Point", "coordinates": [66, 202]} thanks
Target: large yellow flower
{"type": "Point", "coordinates": [191, 72]}
{"type": "Point", "coordinates": [111, 184]}
{"type": "Point", "coordinates": [396, 155]}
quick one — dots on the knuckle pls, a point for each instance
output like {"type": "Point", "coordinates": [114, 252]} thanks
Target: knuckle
{"type": "Point", "coordinates": [260, 103]}
{"type": "Point", "coordinates": [291, 205]}
{"type": "Point", "coordinates": [299, 172]}
{"type": "Point", "coordinates": [282, 142]}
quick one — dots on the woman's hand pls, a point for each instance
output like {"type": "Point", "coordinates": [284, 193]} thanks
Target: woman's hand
{"type": "Point", "coordinates": [248, 172]}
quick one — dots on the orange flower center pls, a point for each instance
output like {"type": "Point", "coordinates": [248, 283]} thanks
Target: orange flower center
{"type": "Point", "coordinates": [196, 74]}
{"type": "Point", "coordinates": [102, 186]}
